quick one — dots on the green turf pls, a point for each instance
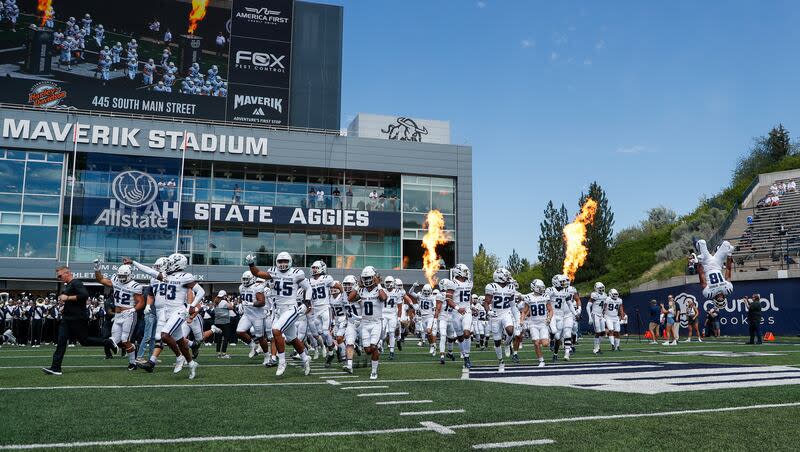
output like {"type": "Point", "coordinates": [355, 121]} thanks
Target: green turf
{"type": "Point", "coordinates": [298, 407]}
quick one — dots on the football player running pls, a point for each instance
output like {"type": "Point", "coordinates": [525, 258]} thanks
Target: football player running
{"type": "Point", "coordinates": [709, 269]}
{"type": "Point", "coordinates": [339, 310]}
{"type": "Point", "coordinates": [286, 281]}
{"type": "Point", "coordinates": [447, 334]}
{"type": "Point", "coordinates": [321, 286]}
{"type": "Point", "coordinates": [371, 296]}
{"type": "Point", "coordinates": [392, 310]}
{"type": "Point", "coordinates": [499, 297]}
{"type": "Point", "coordinates": [479, 322]}
{"type": "Point", "coordinates": [128, 299]}
{"type": "Point", "coordinates": [253, 300]}
{"type": "Point", "coordinates": [459, 297]}
{"type": "Point", "coordinates": [595, 310]}
{"type": "Point", "coordinates": [426, 308]}
{"type": "Point", "coordinates": [561, 296]}
{"type": "Point", "coordinates": [538, 311]}
{"type": "Point", "coordinates": [353, 325]}
{"type": "Point", "coordinates": [613, 311]}
{"type": "Point", "coordinates": [176, 290]}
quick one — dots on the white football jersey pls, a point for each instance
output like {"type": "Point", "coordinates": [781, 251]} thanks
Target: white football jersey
{"type": "Point", "coordinates": [124, 293]}
{"type": "Point", "coordinates": [393, 298]}
{"type": "Point", "coordinates": [247, 296]}
{"type": "Point", "coordinates": [612, 308]}
{"type": "Point", "coordinates": [597, 300]}
{"type": "Point", "coordinates": [339, 305]}
{"type": "Point", "coordinates": [427, 305]}
{"type": "Point", "coordinates": [462, 292]}
{"type": "Point", "coordinates": [154, 283]}
{"type": "Point", "coordinates": [480, 311]}
{"type": "Point", "coordinates": [538, 307]}
{"type": "Point", "coordinates": [502, 297]}
{"type": "Point", "coordinates": [371, 305]}
{"type": "Point", "coordinates": [172, 291]}
{"type": "Point", "coordinates": [286, 286]}
{"type": "Point", "coordinates": [321, 291]}
{"type": "Point", "coordinates": [446, 309]}
{"type": "Point", "coordinates": [561, 299]}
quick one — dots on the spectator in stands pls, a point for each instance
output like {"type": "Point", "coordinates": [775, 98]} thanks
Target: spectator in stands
{"type": "Point", "coordinates": [775, 201]}
{"type": "Point", "coordinates": [320, 199]}
{"type": "Point", "coordinates": [312, 196]}
{"type": "Point", "coordinates": [655, 321]}
{"type": "Point", "coordinates": [791, 187]}
{"type": "Point", "coordinates": [337, 198]}
{"type": "Point", "coordinates": [693, 320]}
{"type": "Point", "coordinates": [349, 197]}
{"type": "Point", "coordinates": [773, 189]}
{"type": "Point", "coordinates": [712, 321]}
{"type": "Point", "coordinates": [754, 318]}
{"type": "Point", "coordinates": [373, 199]}
{"type": "Point", "coordinates": [781, 229]}
{"type": "Point", "coordinates": [220, 43]}
{"type": "Point", "coordinates": [781, 188]}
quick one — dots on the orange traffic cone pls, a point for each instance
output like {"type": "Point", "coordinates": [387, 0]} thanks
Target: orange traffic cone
{"type": "Point", "coordinates": [769, 337]}
{"type": "Point", "coordinates": [648, 335]}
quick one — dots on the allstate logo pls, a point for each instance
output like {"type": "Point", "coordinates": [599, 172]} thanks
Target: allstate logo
{"type": "Point", "coordinates": [683, 302]}
{"type": "Point", "coordinates": [134, 188]}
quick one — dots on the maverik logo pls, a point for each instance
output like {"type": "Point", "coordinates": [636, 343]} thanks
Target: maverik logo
{"type": "Point", "coordinates": [134, 188]}
{"type": "Point", "coordinates": [262, 16]}
{"type": "Point", "coordinates": [259, 61]}
{"type": "Point", "coordinates": [405, 129]}
{"type": "Point", "coordinates": [241, 100]}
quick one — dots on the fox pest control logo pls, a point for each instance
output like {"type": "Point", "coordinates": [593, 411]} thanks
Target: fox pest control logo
{"type": "Point", "coordinates": [260, 61]}
{"type": "Point", "coordinates": [262, 15]}
{"type": "Point", "coordinates": [405, 129]}
{"type": "Point", "coordinates": [134, 188]}
{"type": "Point", "coordinates": [46, 95]}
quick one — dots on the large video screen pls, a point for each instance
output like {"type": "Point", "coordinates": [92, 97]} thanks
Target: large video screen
{"type": "Point", "coordinates": [202, 59]}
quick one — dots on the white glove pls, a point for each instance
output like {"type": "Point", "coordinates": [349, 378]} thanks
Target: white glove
{"type": "Point", "coordinates": [578, 311]}
{"type": "Point", "coordinates": [591, 320]}
{"type": "Point", "coordinates": [148, 309]}
{"type": "Point", "coordinates": [222, 293]}
{"type": "Point", "coordinates": [250, 259]}
{"type": "Point", "coordinates": [96, 265]}
{"type": "Point", "coordinates": [302, 309]}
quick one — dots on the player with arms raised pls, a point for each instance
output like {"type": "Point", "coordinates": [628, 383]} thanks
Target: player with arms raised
{"type": "Point", "coordinates": [286, 281]}
{"type": "Point", "coordinates": [128, 299]}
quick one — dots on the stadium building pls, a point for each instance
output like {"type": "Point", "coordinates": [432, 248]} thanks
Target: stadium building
{"type": "Point", "coordinates": [91, 170]}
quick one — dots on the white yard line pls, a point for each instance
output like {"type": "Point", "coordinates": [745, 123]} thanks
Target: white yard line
{"type": "Point", "coordinates": [301, 435]}
{"type": "Point", "coordinates": [332, 382]}
{"type": "Point", "coordinates": [430, 413]}
{"type": "Point", "coordinates": [403, 402]}
{"type": "Point", "coordinates": [364, 387]}
{"type": "Point", "coordinates": [532, 442]}
{"type": "Point", "coordinates": [381, 394]}
{"type": "Point", "coordinates": [438, 428]}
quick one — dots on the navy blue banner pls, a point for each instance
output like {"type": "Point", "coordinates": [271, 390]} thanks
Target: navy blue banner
{"type": "Point", "coordinates": [780, 305]}
{"type": "Point", "coordinates": [163, 214]}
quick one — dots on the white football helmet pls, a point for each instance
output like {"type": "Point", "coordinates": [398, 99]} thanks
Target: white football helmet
{"type": "Point", "coordinates": [443, 283]}
{"type": "Point", "coordinates": [613, 293]}
{"type": "Point", "coordinates": [501, 276]}
{"type": "Point", "coordinates": [318, 268]}
{"type": "Point", "coordinates": [565, 282]}
{"type": "Point", "coordinates": [398, 283]}
{"type": "Point", "coordinates": [124, 273]}
{"type": "Point", "coordinates": [460, 271]}
{"type": "Point", "coordinates": [348, 283]}
{"type": "Point", "coordinates": [177, 262]}
{"type": "Point", "coordinates": [368, 276]}
{"type": "Point", "coordinates": [599, 287]}
{"type": "Point", "coordinates": [388, 283]}
{"type": "Point", "coordinates": [248, 279]}
{"type": "Point", "coordinates": [284, 261]}
{"type": "Point", "coordinates": [556, 281]}
{"type": "Point", "coordinates": [436, 292]}
{"type": "Point", "coordinates": [161, 264]}
{"type": "Point", "coordinates": [427, 290]}
{"type": "Point", "coordinates": [537, 286]}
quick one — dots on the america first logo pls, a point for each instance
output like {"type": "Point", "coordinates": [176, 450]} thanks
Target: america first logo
{"type": "Point", "coordinates": [134, 188]}
{"type": "Point", "coordinates": [262, 16]}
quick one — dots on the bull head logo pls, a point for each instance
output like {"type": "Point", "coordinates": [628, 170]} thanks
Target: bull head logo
{"type": "Point", "coordinates": [405, 129]}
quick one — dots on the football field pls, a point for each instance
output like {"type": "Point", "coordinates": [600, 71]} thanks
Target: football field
{"type": "Point", "coordinates": [719, 395]}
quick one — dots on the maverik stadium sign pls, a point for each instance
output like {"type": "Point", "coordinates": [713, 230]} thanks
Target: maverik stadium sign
{"type": "Point", "coordinates": [131, 137]}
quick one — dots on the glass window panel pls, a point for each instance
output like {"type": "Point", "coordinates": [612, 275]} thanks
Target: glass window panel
{"type": "Point", "coordinates": [449, 222]}
{"type": "Point", "coordinates": [349, 262]}
{"type": "Point", "coordinates": [443, 200]}
{"type": "Point", "coordinates": [292, 243]}
{"type": "Point", "coordinates": [43, 178]}
{"type": "Point", "coordinates": [53, 157]}
{"type": "Point", "coordinates": [43, 204]}
{"type": "Point", "coordinates": [38, 241]}
{"type": "Point", "coordinates": [413, 220]}
{"type": "Point", "coordinates": [11, 174]}
{"type": "Point", "coordinates": [10, 218]}
{"type": "Point", "coordinates": [31, 219]}
{"type": "Point", "coordinates": [225, 241]}
{"type": "Point", "coordinates": [442, 182]}
{"type": "Point", "coordinates": [416, 200]}
{"type": "Point", "coordinates": [50, 220]}
{"type": "Point", "coordinates": [383, 263]}
{"type": "Point", "coordinates": [8, 242]}
{"type": "Point", "coordinates": [41, 156]}
{"type": "Point", "coordinates": [409, 234]}
{"type": "Point", "coordinates": [15, 155]}
{"type": "Point", "coordinates": [10, 203]}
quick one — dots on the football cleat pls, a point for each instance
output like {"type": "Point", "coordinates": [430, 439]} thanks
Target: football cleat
{"type": "Point", "coordinates": [307, 366]}
{"type": "Point", "coordinates": [347, 369]}
{"type": "Point", "coordinates": [507, 351]}
{"type": "Point", "coordinates": [148, 367]}
{"type": "Point", "coordinates": [51, 371]}
{"type": "Point", "coordinates": [432, 351]}
{"type": "Point", "coordinates": [541, 363]}
{"type": "Point", "coordinates": [373, 376]}
{"type": "Point", "coordinates": [179, 363]}
{"type": "Point", "coordinates": [192, 369]}
{"type": "Point", "coordinates": [329, 360]}
{"type": "Point", "coordinates": [316, 353]}
{"type": "Point", "coordinates": [467, 363]}
{"type": "Point", "coordinates": [400, 345]}
{"type": "Point", "coordinates": [253, 351]}
{"type": "Point", "coordinates": [555, 358]}
{"type": "Point", "coordinates": [515, 358]}
{"type": "Point", "coordinates": [451, 356]}
{"type": "Point", "coordinates": [441, 360]}
{"type": "Point", "coordinates": [391, 356]}
{"type": "Point", "coordinates": [501, 367]}
{"type": "Point", "coordinates": [281, 368]}
{"type": "Point", "coordinates": [295, 356]}
{"type": "Point", "coordinates": [195, 349]}
{"type": "Point", "coordinates": [132, 366]}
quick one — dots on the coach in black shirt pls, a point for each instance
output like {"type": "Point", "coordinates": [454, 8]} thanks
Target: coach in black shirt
{"type": "Point", "coordinates": [74, 322]}
{"type": "Point", "coordinates": [754, 318]}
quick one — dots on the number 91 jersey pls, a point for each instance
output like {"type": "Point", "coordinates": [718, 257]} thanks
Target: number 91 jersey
{"type": "Point", "coordinates": [124, 293]}
{"type": "Point", "coordinates": [172, 291]}
{"type": "Point", "coordinates": [321, 291]}
{"type": "Point", "coordinates": [462, 292]}
{"type": "Point", "coordinates": [285, 286]}
{"type": "Point", "coordinates": [502, 297]}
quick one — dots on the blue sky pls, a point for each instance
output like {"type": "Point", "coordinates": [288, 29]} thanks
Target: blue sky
{"type": "Point", "coordinates": [654, 100]}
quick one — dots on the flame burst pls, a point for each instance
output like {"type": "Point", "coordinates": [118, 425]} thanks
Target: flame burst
{"type": "Point", "coordinates": [46, 8]}
{"type": "Point", "coordinates": [575, 238]}
{"type": "Point", "coordinates": [435, 236]}
{"type": "Point", "coordinates": [198, 13]}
